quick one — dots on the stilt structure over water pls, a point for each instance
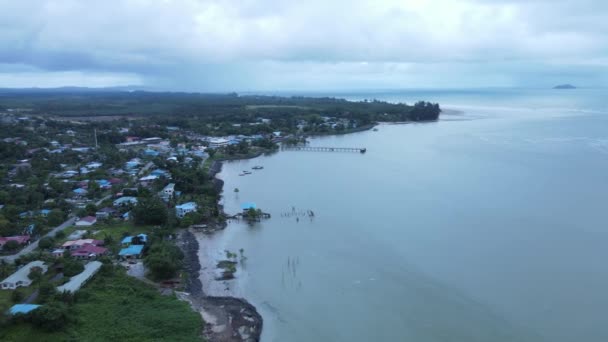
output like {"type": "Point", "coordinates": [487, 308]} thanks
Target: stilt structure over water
{"type": "Point", "coordinates": [324, 149]}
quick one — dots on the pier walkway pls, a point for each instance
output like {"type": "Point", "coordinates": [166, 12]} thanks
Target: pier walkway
{"type": "Point", "coordinates": [324, 149]}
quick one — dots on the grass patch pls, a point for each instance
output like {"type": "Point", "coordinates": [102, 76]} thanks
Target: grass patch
{"type": "Point", "coordinates": [116, 307]}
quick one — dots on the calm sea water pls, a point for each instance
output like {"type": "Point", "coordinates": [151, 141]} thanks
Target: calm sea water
{"type": "Point", "coordinates": [489, 225]}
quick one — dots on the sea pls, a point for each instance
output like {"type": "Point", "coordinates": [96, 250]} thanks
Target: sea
{"type": "Point", "coordinates": [490, 224]}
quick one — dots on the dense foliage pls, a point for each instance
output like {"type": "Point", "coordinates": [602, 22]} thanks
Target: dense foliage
{"type": "Point", "coordinates": [164, 259]}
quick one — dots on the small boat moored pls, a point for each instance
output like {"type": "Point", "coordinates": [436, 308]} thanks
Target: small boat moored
{"type": "Point", "coordinates": [257, 167]}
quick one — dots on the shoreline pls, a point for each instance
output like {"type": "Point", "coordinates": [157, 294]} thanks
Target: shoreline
{"type": "Point", "coordinates": [229, 319]}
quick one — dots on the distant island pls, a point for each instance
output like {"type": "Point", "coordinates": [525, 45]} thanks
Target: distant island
{"type": "Point", "coordinates": [564, 86]}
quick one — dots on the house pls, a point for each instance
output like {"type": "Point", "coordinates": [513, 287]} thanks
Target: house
{"type": "Point", "coordinates": [89, 251]}
{"type": "Point", "coordinates": [218, 142]}
{"type": "Point", "coordinates": [248, 206]}
{"type": "Point", "coordinates": [183, 209]}
{"type": "Point", "coordinates": [140, 239]}
{"type": "Point", "coordinates": [22, 308]}
{"type": "Point", "coordinates": [153, 140]}
{"type": "Point", "coordinates": [80, 192]}
{"type": "Point", "coordinates": [80, 279]}
{"type": "Point", "coordinates": [94, 165]}
{"type": "Point", "coordinates": [76, 244]}
{"type": "Point", "coordinates": [160, 173]}
{"type": "Point", "coordinates": [86, 221]}
{"type": "Point", "coordinates": [105, 213]}
{"type": "Point", "coordinates": [168, 191]}
{"type": "Point", "coordinates": [133, 251]}
{"type": "Point", "coordinates": [151, 153]}
{"type": "Point", "coordinates": [45, 212]}
{"type": "Point", "coordinates": [124, 201]}
{"type": "Point", "coordinates": [21, 239]}
{"type": "Point", "coordinates": [58, 253]}
{"type": "Point", "coordinates": [20, 277]}
{"type": "Point", "coordinates": [147, 180]}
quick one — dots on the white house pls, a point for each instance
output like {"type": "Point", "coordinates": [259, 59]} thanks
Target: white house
{"type": "Point", "coordinates": [20, 277]}
{"type": "Point", "coordinates": [169, 190]}
{"type": "Point", "coordinates": [218, 142]}
{"type": "Point", "coordinates": [183, 209]}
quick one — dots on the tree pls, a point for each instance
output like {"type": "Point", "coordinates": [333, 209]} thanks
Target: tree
{"type": "Point", "coordinates": [91, 208]}
{"type": "Point", "coordinates": [46, 242]}
{"type": "Point", "coordinates": [46, 291]}
{"type": "Point", "coordinates": [55, 217]}
{"type": "Point", "coordinates": [72, 267]}
{"type": "Point", "coordinates": [163, 260]}
{"type": "Point", "coordinates": [51, 316]}
{"type": "Point", "coordinates": [10, 246]}
{"type": "Point", "coordinates": [17, 296]}
{"type": "Point", "coordinates": [35, 274]}
{"type": "Point", "coordinates": [150, 210]}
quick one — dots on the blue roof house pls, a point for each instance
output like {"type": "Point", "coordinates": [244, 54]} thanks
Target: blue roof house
{"type": "Point", "coordinates": [23, 308]}
{"type": "Point", "coordinates": [128, 239]}
{"type": "Point", "coordinates": [151, 153]}
{"type": "Point", "coordinates": [183, 209]}
{"type": "Point", "coordinates": [133, 251]}
{"type": "Point", "coordinates": [248, 206]}
{"type": "Point", "coordinates": [80, 192]}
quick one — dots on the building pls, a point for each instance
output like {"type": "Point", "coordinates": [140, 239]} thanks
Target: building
{"type": "Point", "coordinates": [20, 277]}
{"type": "Point", "coordinates": [248, 206]}
{"type": "Point", "coordinates": [168, 192]}
{"type": "Point", "coordinates": [124, 201]}
{"type": "Point", "coordinates": [89, 251]}
{"type": "Point", "coordinates": [105, 213]}
{"type": "Point", "coordinates": [133, 251]}
{"type": "Point", "coordinates": [78, 280]}
{"type": "Point", "coordinates": [218, 142]}
{"type": "Point", "coordinates": [76, 244]}
{"type": "Point", "coordinates": [80, 192]}
{"type": "Point", "coordinates": [183, 209]}
{"type": "Point", "coordinates": [21, 239]}
{"type": "Point", "coordinates": [86, 221]}
{"type": "Point", "coordinates": [128, 240]}
{"type": "Point", "coordinates": [23, 308]}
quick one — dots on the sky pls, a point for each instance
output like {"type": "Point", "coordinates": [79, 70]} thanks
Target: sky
{"type": "Point", "coordinates": [273, 45]}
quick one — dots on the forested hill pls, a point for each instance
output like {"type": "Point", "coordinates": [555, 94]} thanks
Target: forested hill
{"type": "Point", "coordinates": [231, 106]}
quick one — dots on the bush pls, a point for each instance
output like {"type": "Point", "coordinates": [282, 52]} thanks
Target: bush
{"type": "Point", "coordinates": [163, 260]}
{"type": "Point", "coordinates": [50, 317]}
{"type": "Point", "coordinates": [10, 246]}
{"type": "Point", "coordinates": [60, 235]}
{"type": "Point", "coordinates": [17, 296]}
{"type": "Point", "coordinates": [46, 242]}
{"type": "Point", "coordinates": [72, 267]}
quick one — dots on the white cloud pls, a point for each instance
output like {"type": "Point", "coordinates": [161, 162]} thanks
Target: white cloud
{"type": "Point", "coordinates": [224, 44]}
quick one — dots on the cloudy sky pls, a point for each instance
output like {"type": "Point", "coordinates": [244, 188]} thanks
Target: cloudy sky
{"type": "Point", "coordinates": [220, 45]}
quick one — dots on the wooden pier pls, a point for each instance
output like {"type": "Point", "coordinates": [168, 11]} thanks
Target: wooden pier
{"type": "Point", "coordinates": [324, 149]}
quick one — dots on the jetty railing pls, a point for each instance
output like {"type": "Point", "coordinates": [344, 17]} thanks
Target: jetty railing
{"type": "Point", "coordinates": [324, 149]}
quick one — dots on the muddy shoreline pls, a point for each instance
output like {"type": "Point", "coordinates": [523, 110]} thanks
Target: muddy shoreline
{"type": "Point", "coordinates": [227, 319]}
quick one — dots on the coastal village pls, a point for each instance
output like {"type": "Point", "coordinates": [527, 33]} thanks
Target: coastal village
{"type": "Point", "coordinates": [79, 203]}
{"type": "Point", "coordinates": [99, 213]}
{"type": "Point", "coordinates": [74, 208]}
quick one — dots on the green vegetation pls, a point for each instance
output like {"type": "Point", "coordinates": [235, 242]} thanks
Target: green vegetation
{"type": "Point", "coordinates": [112, 307]}
{"type": "Point", "coordinates": [164, 259]}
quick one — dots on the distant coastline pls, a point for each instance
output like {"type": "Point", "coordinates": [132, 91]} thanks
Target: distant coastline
{"type": "Point", "coordinates": [564, 86]}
